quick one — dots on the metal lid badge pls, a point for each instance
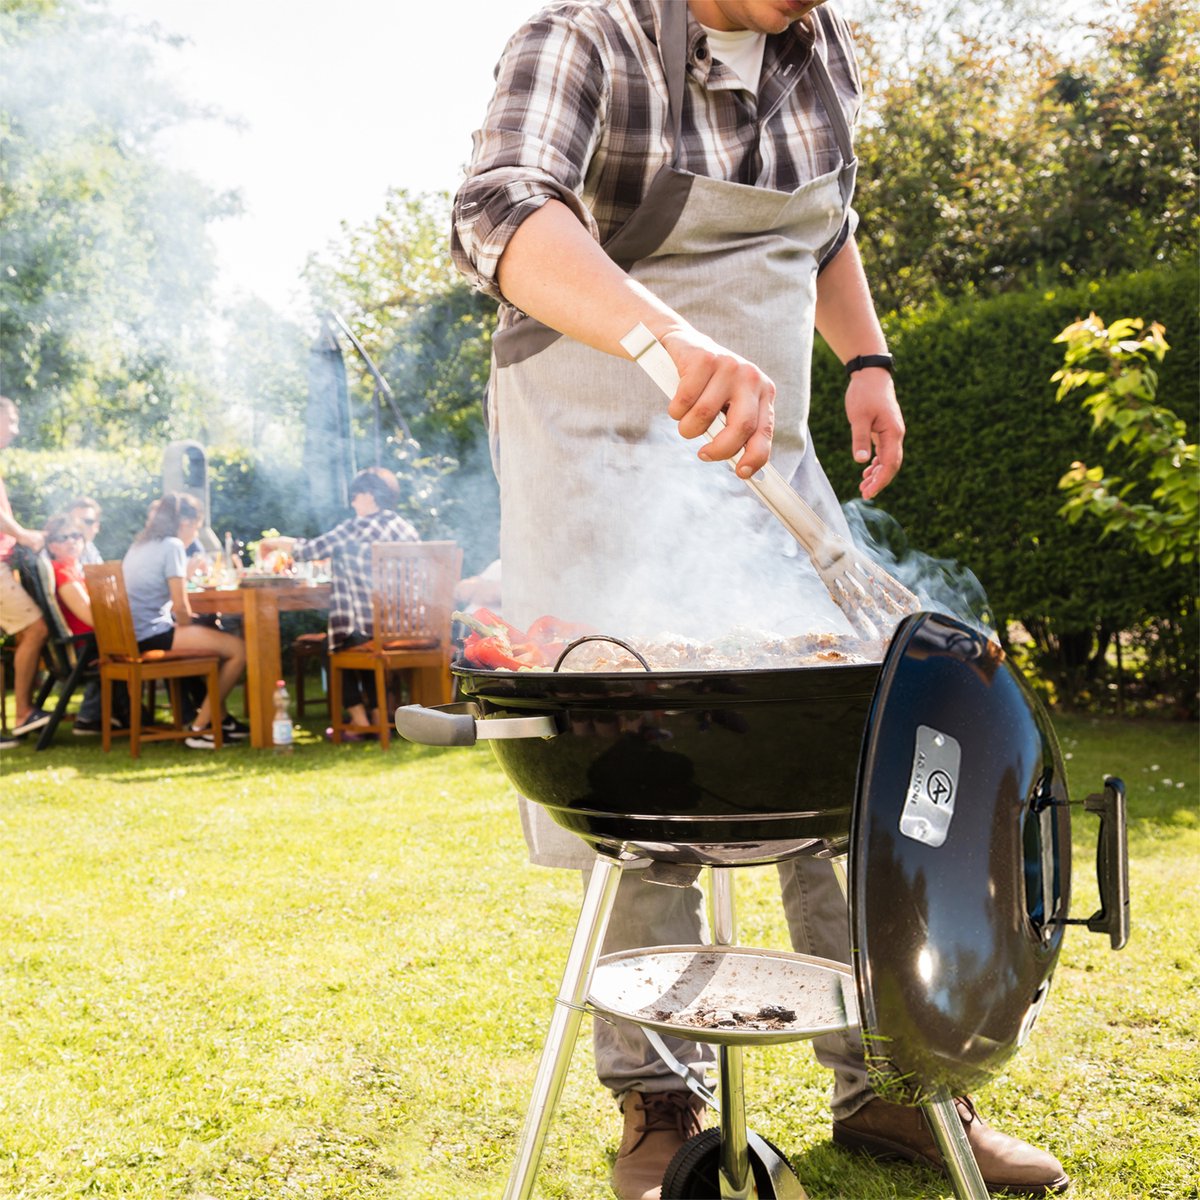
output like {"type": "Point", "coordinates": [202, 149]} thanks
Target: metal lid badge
{"type": "Point", "coordinates": [932, 787]}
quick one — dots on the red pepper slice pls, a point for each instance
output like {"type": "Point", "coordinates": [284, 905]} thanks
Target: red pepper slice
{"type": "Point", "coordinates": [485, 616]}
{"type": "Point", "coordinates": [496, 654]}
{"type": "Point", "coordinates": [553, 629]}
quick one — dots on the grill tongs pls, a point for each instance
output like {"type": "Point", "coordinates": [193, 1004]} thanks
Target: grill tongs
{"type": "Point", "coordinates": [872, 600]}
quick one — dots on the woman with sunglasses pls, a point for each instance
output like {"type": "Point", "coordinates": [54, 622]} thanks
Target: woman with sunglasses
{"type": "Point", "coordinates": [64, 544]}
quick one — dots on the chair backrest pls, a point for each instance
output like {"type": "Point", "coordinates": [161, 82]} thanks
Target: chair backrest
{"type": "Point", "coordinates": [110, 611]}
{"type": "Point", "coordinates": [37, 578]}
{"type": "Point", "coordinates": [413, 590]}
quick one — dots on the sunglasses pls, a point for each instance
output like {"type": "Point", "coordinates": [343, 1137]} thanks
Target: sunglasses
{"type": "Point", "coordinates": [69, 537]}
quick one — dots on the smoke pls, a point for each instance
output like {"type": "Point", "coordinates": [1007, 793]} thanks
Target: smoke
{"type": "Point", "coordinates": [941, 584]}
{"type": "Point", "coordinates": [682, 549]}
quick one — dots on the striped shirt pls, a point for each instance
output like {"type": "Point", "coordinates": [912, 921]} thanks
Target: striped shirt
{"type": "Point", "coordinates": [580, 115]}
{"type": "Point", "coordinates": [349, 545]}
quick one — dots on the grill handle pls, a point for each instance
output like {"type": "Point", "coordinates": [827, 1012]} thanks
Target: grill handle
{"type": "Point", "coordinates": [1112, 863]}
{"type": "Point", "coordinates": [459, 725]}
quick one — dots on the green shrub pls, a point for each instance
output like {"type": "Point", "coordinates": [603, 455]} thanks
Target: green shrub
{"type": "Point", "coordinates": [41, 483]}
{"type": "Point", "coordinates": [986, 447]}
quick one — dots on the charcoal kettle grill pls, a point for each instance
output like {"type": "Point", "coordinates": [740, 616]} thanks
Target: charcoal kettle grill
{"type": "Point", "coordinates": [937, 775]}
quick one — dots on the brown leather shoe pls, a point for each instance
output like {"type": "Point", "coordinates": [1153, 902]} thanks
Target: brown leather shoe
{"type": "Point", "coordinates": [1006, 1163]}
{"type": "Point", "coordinates": [656, 1125]}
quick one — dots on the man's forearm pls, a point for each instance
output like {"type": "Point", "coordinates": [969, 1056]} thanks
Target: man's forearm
{"type": "Point", "coordinates": [9, 526]}
{"type": "Point", "coordinates": [553, 270]}
{"type": "Point", "coordinates": [846, 316]}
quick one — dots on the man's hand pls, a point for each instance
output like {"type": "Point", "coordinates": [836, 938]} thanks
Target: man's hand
{"type": "Point", "coordinates": [713, 380]}
{"type": "Point", "coordinates": [876, 428]}
{"type": "Point", "coordinates": [31, 538]}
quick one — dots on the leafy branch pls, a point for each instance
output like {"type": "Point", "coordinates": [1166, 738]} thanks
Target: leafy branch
{"type": "Point", "coordinates": [1115, 367]}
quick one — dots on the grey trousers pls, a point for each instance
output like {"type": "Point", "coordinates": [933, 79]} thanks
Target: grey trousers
{"type": "Point", "coordinates": [649, 914]}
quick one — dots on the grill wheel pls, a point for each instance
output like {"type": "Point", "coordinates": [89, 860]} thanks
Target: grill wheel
{"type": "Point", "coordinates": [694, 1172]}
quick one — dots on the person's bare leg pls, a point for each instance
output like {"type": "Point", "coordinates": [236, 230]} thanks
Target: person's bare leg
{"type": "Point", "coordinates": [30, 641]}
{"type": "Point", "coordinates": [202, 639]}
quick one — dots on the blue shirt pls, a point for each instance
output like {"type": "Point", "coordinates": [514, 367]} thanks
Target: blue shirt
{"type": "Point", "coordinates": [148, 566]}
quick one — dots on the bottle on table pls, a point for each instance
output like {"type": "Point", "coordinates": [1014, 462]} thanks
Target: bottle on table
{"type": "Point", "coordinates": [233, 564]}
{"type": "Point", "coordinates": [282, 729]}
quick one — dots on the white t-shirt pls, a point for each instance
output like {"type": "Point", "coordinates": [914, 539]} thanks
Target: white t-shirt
{"type": "Point", "coordinates": [741, 50]}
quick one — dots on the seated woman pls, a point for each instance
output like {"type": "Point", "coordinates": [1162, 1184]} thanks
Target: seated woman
{"type": "Point", "coordinates": [65, 542]}
{"type": "Point", "coordinates": [374, 494]}
{"type": "Point", "coordinates": [155, 571]}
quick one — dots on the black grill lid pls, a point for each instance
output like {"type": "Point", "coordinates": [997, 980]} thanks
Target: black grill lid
{"type": "Point", "coordinates": [959, 861]}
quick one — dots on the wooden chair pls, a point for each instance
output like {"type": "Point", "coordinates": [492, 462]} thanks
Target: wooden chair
{"type": "Point", "coordinates": [120, 658]}
{"type": "Point", "coordinates": [305, 648]}
{"type": "Point", "coordinates": [412, 599]}
{"type": "Point", "coordinates": [69, 659]}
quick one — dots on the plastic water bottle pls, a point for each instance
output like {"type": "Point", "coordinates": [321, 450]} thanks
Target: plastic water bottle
{"type": "Point", "coordinates": [281, 726]}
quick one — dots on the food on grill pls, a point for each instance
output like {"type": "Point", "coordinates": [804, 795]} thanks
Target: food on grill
{"type": "Point", "coordinates": [495, 645]}
{"type": "Point", "coordinates": [739, 650]}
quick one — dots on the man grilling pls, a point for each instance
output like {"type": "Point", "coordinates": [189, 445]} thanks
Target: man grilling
{"type": "Point", "coordinates": [686, 165]}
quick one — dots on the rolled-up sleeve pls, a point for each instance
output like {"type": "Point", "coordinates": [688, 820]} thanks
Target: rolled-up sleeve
{"type": "Point", "coordinates": [538, 136]}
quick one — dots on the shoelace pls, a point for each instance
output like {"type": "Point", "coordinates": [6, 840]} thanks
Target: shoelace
{"type": "Point", "coordinates": [667, 1111]}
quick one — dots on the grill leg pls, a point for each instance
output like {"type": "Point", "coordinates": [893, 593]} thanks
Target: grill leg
{"type": "Point", "coordinates": [564, 1025]}
{"type": "Point", "coordinates": [737, 1181]}
{"type": "Point", "coordinates": [956, 1151]}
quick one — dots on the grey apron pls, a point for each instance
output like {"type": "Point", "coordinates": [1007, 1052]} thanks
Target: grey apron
{"type": "Point", "coordinates": [600, 497]}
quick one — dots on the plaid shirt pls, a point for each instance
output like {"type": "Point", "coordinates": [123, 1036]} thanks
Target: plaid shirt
{"type": "Point", "coordinates": [580, 115]}
{"type": "Point", "coordinates": [349, 545]}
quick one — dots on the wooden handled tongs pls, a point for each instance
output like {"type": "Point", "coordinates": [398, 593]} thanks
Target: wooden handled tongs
{"type": "Point", "coordinates": [873, 601]}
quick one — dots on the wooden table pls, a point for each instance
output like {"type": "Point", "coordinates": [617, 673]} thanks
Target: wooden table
{"type": "Point", "coordinates": [259, 607]}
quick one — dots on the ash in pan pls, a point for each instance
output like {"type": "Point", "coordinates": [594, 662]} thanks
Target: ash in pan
{"type": "Point", "coordinates": [768, 1018]}
{"type": "Point", "coordinates": [742, 649]}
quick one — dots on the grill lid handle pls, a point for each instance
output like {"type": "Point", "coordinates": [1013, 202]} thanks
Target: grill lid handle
{"type": "Point", "coordinates": [1112, 864]}
{"type": "Point", "coordinates": [458, 725]}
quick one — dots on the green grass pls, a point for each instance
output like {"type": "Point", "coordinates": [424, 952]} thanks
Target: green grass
{"type": "Point", "coordinates": [249, 976]}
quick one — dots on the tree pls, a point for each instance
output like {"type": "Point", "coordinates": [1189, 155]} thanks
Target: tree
{"type": "Point", "coordinates": [106, 261]}
{"type": "Point", "coordinates": [394, 283]}
{"type": "Point", "coordinates": [991, 161]}
{"type": "Point", "coordinates": [1160, 511]}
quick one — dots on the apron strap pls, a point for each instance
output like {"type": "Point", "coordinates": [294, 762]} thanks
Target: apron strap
{"type": "Point", "coordinates": [673, 48]}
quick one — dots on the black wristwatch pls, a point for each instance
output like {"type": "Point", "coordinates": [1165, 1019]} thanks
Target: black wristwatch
{"type": "Point", "coordinates": [886, 361]}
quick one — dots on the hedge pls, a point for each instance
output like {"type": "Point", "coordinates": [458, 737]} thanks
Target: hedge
{"type": "Point", "coordinates": [986, 446]}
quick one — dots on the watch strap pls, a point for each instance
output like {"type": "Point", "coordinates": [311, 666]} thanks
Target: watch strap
{"type": "Point", "coordinates": [886, 361]}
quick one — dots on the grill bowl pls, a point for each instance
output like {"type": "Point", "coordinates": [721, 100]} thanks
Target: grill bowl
{"type": "Point", "coordinates": [720, 767]}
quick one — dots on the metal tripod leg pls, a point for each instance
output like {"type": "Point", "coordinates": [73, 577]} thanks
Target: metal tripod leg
{"type": "Point", "coordinates": [564, 1025]}
{"type": "Point", "coordinates": [957, 1154]}
{"type": "Point", "coordinates": [737, 1179]}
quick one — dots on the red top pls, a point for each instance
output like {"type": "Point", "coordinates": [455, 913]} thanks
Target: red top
{"type": "Point", "coordinates": [64, 573]}
{"type": "Point", "coordinates": [7, 541]}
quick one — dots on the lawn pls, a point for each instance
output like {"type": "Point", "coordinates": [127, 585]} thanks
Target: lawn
{"type": "Point", "coordinates": [242, 975]}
